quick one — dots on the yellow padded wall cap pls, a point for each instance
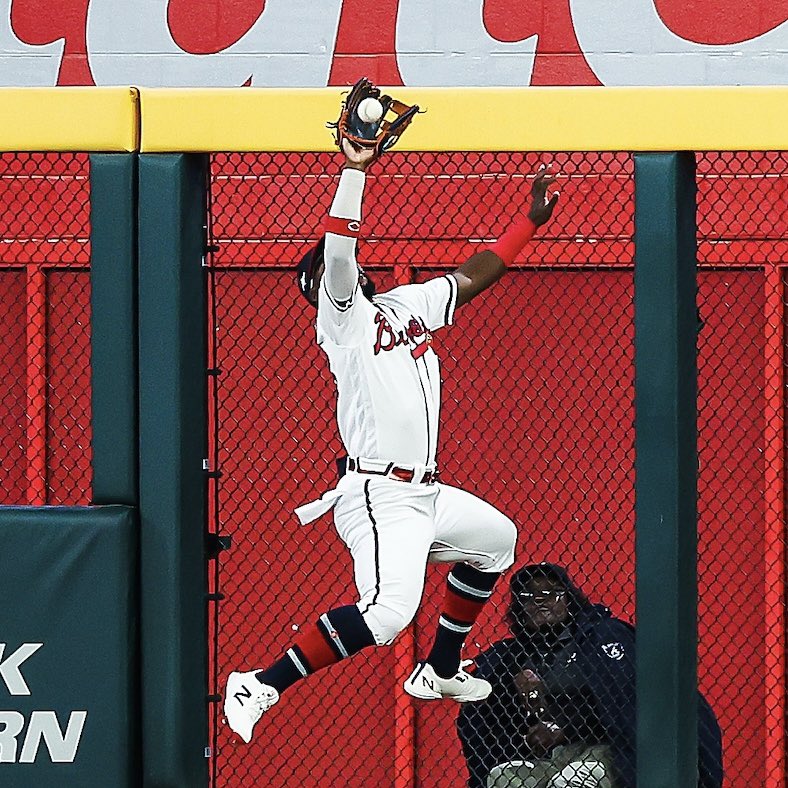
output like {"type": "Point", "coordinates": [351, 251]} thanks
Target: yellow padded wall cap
{"type": "Point", "coordinates": [487, 119]}
{"type": "Point", "coordinates": [69, 119]}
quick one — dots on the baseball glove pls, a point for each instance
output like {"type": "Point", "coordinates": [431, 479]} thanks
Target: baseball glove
{"type": "Point", "coordinates": [378, 135]}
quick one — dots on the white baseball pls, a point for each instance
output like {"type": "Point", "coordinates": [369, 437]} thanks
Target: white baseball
{"type": "Point", "coordinates": [370, 110]}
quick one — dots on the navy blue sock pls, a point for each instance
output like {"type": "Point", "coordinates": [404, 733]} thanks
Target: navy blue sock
{"type": "Point", "coordinates": [467, 589]}
{"type": "Point", "coordinates": [337, 634]}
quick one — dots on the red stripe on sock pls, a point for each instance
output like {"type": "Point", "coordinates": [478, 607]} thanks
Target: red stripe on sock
{"type": "Point", "coordinates": [461, 609]}
{"type": "Point", "coordinates": [315, 648]}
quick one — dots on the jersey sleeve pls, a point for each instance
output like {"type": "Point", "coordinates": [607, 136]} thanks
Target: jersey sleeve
{"type": "Point", "coordinates": [433, 301]}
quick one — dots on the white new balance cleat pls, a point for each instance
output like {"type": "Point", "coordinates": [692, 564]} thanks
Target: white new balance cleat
{"type": "Point", "coordinates": [245, 701]}
{"type": "Point", "coordinates": [426, 684]}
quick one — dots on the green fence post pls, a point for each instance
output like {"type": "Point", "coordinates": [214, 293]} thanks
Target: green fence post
{"type": "Point", "coordinates": [666, 469]}
{"type": "Point", "coordinates": [113, 302]}
{"type": "Point", "coordinates": [173, 447]}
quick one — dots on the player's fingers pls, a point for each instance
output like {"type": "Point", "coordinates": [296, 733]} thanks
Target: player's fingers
{"type": "Point", "coordinates": [542, 170]}
{"type": "Point", "coordinates": [542, 182]}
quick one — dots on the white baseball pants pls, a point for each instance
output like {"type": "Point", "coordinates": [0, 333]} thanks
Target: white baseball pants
{"type": "Point", "coordinates": [393, 529]}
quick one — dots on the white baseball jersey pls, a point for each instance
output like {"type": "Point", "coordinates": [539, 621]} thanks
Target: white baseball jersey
{"type": "Point", "coordinates": [388, 409]}
{"type": "Point", "coordinates": [387, 374]}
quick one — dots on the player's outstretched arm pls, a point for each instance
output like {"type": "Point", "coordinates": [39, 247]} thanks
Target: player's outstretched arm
{"type": "Point", "coordinates": [487, 267]}
{"type": "Point", "coordinates": [343, 224]}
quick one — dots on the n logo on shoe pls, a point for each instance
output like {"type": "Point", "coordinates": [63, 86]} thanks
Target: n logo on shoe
{"type": "Point", "coordinates": [428, 683]}
{"type": "Point", "coordinates": [244, 693]}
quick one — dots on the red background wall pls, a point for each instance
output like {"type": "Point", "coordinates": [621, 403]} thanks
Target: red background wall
{"type": "Point", "coordinates": [537, 419]}
{"type": "Point", "coordinates": [543, 363]}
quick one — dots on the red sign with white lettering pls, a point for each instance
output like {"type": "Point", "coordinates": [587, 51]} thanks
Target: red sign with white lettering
{"type": "Point", "coordinates": [489, 42]}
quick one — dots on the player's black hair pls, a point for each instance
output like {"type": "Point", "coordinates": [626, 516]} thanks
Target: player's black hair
{"type": "Point", "coordinates": [310, 262]}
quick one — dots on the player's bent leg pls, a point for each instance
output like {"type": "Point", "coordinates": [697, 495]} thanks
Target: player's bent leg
{"type": "Point", "coordinates": [386, 618]}
{"type": "Point", "coordinates": [389, 539]}
{"type": "Point", "coordinates": [338, 634]}
{"type": "Point", "coordinates": [389, 529]}
{"type": "Point", "coordinates": [472, 531]}
{"type": "Point", "coordinates": [481, 541]}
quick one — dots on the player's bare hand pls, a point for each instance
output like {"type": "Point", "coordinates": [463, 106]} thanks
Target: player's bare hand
{"type": "Point", "coordinates": [542, 201]}
{"type": "Point", "coordinates": [357, 158]}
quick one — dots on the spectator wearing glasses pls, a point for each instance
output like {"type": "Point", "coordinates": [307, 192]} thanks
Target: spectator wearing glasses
{"type": "Point", "coordinates": [562, 710]}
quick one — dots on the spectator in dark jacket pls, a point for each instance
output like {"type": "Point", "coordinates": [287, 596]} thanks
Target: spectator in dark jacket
{"type": "Point", "coordinates": [562, 710]}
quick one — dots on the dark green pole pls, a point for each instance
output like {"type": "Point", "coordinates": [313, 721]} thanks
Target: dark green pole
{"type": "Point", "coordinates": [173, 446]}
{"type": "Point", "coordinates": [666, 469]}
{"type": "Point", "coordinates": [113, 302]}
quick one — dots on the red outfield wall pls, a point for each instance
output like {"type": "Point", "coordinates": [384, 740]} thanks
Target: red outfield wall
{"type": "Point", "coordinates": [544, 365]}
{"type": "Point", "coordinates": [537, 418]}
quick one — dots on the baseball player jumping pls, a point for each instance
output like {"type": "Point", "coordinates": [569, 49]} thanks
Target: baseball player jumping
{"type": "Point", "coordinates": [389, 507]}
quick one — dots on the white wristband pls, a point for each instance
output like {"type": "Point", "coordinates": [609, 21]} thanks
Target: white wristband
{"type": "Point", "coordinates": [347, 200]}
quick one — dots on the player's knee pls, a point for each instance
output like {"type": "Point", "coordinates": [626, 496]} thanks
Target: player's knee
{"type": "Point", "coordinates": [503, 539]}
{"type": "Point", "coordinates": [386, 618]}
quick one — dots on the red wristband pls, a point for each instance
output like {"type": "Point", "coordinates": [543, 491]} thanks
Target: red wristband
{"type": "Point", "coordinates": [350, 228]}
{"type": "Point", "coordinates": [511, 243]}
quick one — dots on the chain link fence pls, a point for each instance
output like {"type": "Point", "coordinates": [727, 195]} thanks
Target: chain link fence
{"type": "Point", "coordinates": [537, 419]}
{"type": "Point", "coordinates": [45, 329]}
